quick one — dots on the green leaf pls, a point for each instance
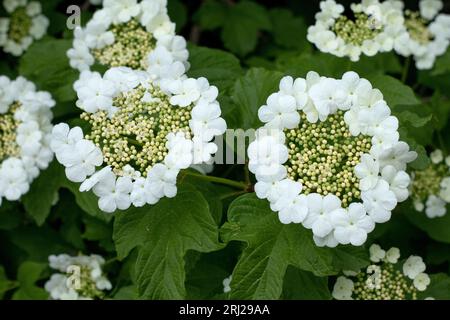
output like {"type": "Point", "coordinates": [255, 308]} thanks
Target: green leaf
{"type": "Point", "coordinates": [442, 64]}
{"type": "Point", "coordinates": [10, 215]}
{"type": "Point", "coordinates": [178, 13]}
{"type": "Point", "coordinates": [211, 15]}
{"type": "Point", "coordinates": [394, 91]}
{"type": "Point", "coordinates": [271, 248]}
{"type": "Point", "coordinates": [87, 201]}
{"type": "Point", "coordinates": [127, 293]}
{"type": "Point", "coordinates": [130, 229]}
{"type": "Point", "coordinates": [243, 23]}
{"type": "Point", "coordinates": [47, 65]}
{"type": "Point", "coordinates": [288, 31]}
{"type": "Point", "coordinates": [299, 64]}
{"type": "Point", "coordinates": [439, 287]}
{"type": "Point", "coordinates": [173, 227]}
{"type": "Point", "coordinates": [303, 285]}
{"type": "Point", "coordinates": [39, 200]}
{"type": "Point", "coordinates": [30, 272]}
{"type": "Point", "coordinates": [98, 230]}
{"type": "Point", "coordinates": [249, 94]}
{"type": "Point", "coordinates": [436, 228]}
{"type": "Point", "coordinates": [5, 283]}
{"type": "Point", "coordinates": [38, 243]}
{"type": "Point", "coordinates": [219, 67]}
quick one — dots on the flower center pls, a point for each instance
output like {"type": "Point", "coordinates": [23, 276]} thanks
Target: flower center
{"type": "Point", "coordinates": [323, 155]}
{"type": "Point", "coordinates": [131, 47]}
{"type": "Point", "coordinates": [86, 286]}
{"type": "Point", "coordinates": [387, 284]}
{"type": "Point", "coordinates": [357, 31]}
{"type": "Point", "coordinates": [417, 27]}
{"type": "Point", "coordinates": [136, 133]}
{"type": "Point", "coordinates": [8, 126]}
{"type": "Point", "coordinates": [19, 25]}
{"type": "Point", "coordinates": [428, 181]}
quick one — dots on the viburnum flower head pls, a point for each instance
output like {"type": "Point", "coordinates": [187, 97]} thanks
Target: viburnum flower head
{"type": "Point", "coordinates": [25, 133]}
{"type": "Point", "coordinates": [426, 33]}
{"type": "Point", "coordinates": [387, 279]}
{"type": "Point", "coordinates": [329, 157]}
{"type": "Point", "coordinates": [142, 132]}
{"type": "Point", "coordinates": [372, 29]}
{"type": "Point", "coordinates": [430, 189]}
{"type": "Point", "coordinates": [24, 24]}
{"type": "Point", "coordinates": [134, 34]}
{"type": "Point", "coordinates": [79, 278]}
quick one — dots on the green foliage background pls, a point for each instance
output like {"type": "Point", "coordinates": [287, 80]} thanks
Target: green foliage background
{"type": "Point", "coordinates": [184, 247]}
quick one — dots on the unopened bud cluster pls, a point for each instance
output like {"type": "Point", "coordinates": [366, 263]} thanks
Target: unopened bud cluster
{"type": "Point", "coordinates": [20, 24]}
{"type": "Point", "coordinates": [417, 27]}
{"type": "Point", "coordinates": [323, 155]}
{"type": "Point", "coordinates": [355, 32]}
{"type": "Point", "coordinates": [136, 133]}
{"type": "Point", "coordinates": [130, 49]}
{"type": "Point", "coordinates": [383, 283]}
{"type": "Point", "coordinates": [8, 126]}
{"type": "Point", "coordinates": [428, 181]}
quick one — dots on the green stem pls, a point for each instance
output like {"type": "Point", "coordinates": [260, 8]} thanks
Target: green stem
{"type": "Point", "coordinates": [406, 69]}
{"type": "Point", "coordinates": [232, 194]}
{"type": "Point", "coordinates": [224, 181]}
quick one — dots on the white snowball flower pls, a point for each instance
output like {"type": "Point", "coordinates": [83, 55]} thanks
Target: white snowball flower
{"type": "Point", "coordinates": [421, 281]}
{"type": "Point", "coordinates": [81, 160]}
{"type": "Point", "coordinates": [25, 127]}
{"type": "Point", "coordinates": [392, 255]}
{"type": "Point", "coordinates": [25, 24]}
{"type": "Point", "coordinates": [113, 193]}
{"type": "Point", "coordinates": [353, 226]}
{"type": "Point", "coordinates": [372, 28]}
{"type": "Point", "coordinates": [379, 202]}
{"type": "Point", "coordinates": [142, 27]}
{"type": "Point", "coordinates": [140, 141]}
{"type": "Point", "coordinates": [399, 182]}
{"type": "Point", "coordinates": [413, 266]}
{"type": "Point", "coordinates": [280, 112]}
{"type": "Point", "coordinates": [384, 279]}
{"type": "Point", "coordinates": [376, 253]}
{"type": "Point", "coordinates": [431, 186]}
{"type": "Point", "coordinates": [299, 151]}
{"type": "Point", "coordinates": [425, 35]}
{"type": "Point", "coordinates": [321, 213]}
{"type": "Point", "coordinates": [437, 156]}
{"type": "Point", "coordinates": [343, 289]}
{"type": "Point", "coordinates": [430, 8]}
{"type": "Point", "coordinates": [368, 172]}
{"type": "Point", "coordinates": [435, 207]}
{"type": "Point", "coordinates": [64, 286]}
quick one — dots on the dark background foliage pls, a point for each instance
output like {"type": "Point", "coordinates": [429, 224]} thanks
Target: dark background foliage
{"type": "Point", "coordinates": [209, 231]}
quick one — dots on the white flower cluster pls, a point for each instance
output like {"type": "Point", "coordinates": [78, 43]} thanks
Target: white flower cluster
{"type": "Point", "coordinates": [25, 24]}
{"type": "Point", "coordinates": [330, 168]}
{"type": "Point", "coordinates": [132, 184]}
{"type": "Point", "coordinates": [373, 30]}
{"type": "Point", "coordinates": [426, 34]}
{"type": "Point", "coordinates": [80, 278]}
{"type": "Point", "coordinates": [152, 39]}
{"type": "Point", "coordinates": [25, 133]}
{"type": "Point", "coordinates": [384, 279]}
{"type": "Point", "coordinates": [430, 188]}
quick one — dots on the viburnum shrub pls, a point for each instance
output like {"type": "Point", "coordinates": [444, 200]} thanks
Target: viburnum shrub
{"type": "Point", "coordinates": [239, 149]}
